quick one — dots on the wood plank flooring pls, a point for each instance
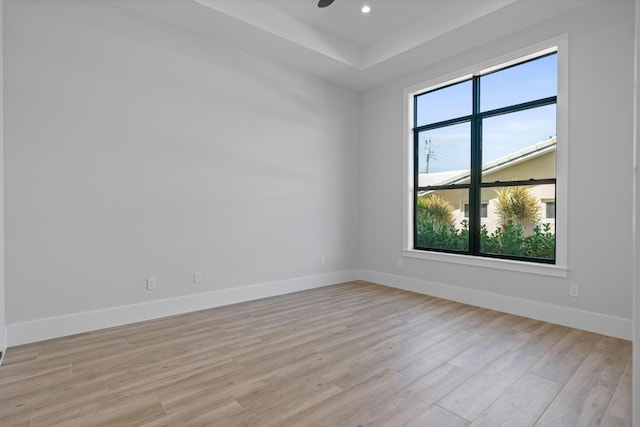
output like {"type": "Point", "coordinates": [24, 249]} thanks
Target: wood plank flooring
{"type": "Point", "coordinates": [354, 354]}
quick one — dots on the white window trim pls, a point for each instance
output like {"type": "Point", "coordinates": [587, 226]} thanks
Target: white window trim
{"type": "Point", "coordinates": [560, 268]}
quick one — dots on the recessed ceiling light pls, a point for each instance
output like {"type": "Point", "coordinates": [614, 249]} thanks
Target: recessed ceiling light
{"type": "Point", "coordinates": [365, 9]}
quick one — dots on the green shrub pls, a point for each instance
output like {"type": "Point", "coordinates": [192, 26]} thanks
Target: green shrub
{"type": "Point", "coordinates": [442, 237]}
{"type": "Point", "coordinates": [507, 240]}
{"type": "Point", "coordinates": [510, 240]}
{"type": "Point", "coordinates": [542, 243]}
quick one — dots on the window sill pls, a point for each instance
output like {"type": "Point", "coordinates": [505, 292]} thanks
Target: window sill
{"type": "Point", "coordinates": [498, 264]}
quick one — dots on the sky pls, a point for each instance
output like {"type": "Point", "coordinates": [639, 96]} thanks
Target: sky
{"type": "Point", "coordinates": [501, 135]}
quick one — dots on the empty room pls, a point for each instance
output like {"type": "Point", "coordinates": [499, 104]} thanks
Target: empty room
{"type": "Point", "coordinates": [319, 213]}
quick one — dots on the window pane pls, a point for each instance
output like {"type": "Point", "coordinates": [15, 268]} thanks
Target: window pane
{"type": "Point", "coordinates": [550, 210]}
{"type": "Point", "coordinates": [450, 102]}
{"type": "Point", "coordinates": [515, 223]}
{"type": "Point", "coordinates": [444, 155]}
{"type": "Point", "coordinates": [520, 145]}
{"type": "Point", "coordinates": [440, 220]}
{"type": "Point", "coordinates": [483, 210]}
{"type": "Point", "coordinates": [532, 80]}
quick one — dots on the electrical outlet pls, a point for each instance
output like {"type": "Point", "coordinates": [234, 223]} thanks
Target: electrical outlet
{"type": "Point", "coordinates": [399, 263]}
{"type": "Point", "coordinates": [151, 283]}
{"type": "Point", "coordinates": [197, 277]}
{"type": "Point", "coordinates": [323, 261]}
{"type": "Point", "coordinates": [574, 290]}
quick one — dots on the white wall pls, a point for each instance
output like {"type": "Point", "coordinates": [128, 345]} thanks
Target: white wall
{"type": "Point", "coordinates": [3, 330]}
{"type": "Point", "coordinates": [136, 150]}
{"type": "Point", "coordinates": [636, 224]}
{"type": "Point", "coordinates": [600, 163]}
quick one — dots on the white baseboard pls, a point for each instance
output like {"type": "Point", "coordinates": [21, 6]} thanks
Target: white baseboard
{"type": "Point", "coordinates": [589, 321]}
{"type": "Point", "coordinates": [54, 327]}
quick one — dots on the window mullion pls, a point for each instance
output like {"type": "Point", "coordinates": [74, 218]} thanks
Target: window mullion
{"type": "Point", "coordinates": [416, 179]}
{"type": "Point", "coordinates": [476, 171]}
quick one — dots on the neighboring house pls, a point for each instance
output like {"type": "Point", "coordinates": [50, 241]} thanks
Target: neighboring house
{"type": "Point", "coordinates": [537, 161]}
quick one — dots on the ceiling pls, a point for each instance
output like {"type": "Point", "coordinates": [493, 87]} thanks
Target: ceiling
{"type": "Point", "coordinates": [345, 21]}
{"type": "Point", "coordinates": [341, 44]}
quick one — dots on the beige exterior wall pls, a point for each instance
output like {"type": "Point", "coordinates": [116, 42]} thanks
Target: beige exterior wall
{"type": "Point", "coordinates": [543, 166]}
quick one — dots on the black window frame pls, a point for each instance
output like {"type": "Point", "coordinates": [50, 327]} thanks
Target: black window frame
{"type": "Point", "coordinates": [475, 185]}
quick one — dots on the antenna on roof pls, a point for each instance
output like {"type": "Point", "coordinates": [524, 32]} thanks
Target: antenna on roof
{"type": "Point", "coordinates": [427, 153]}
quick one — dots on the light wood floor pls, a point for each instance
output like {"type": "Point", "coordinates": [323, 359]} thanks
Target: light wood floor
{"type": "Point", "coordinates": [354, 354]}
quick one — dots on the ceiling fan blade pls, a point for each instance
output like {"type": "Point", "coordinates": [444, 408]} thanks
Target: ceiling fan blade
{"type": "Point", "coordinates": [324, 3]}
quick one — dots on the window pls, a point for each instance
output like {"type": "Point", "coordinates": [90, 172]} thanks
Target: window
{"type": "Point", "coordinates": [483, 210]}
{"type": "Point", "coordinates": [486, 144]}
{"type": "Point", "coordinates": [550, 209]}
